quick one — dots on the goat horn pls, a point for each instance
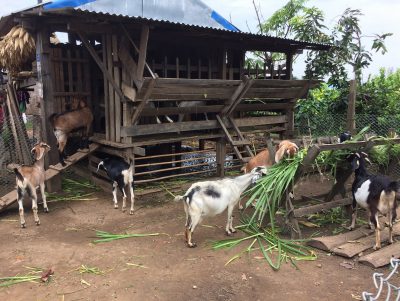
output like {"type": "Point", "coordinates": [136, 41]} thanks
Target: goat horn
{"type": "Point", "coordinates": [98, 166]}
{"type": "Point", "coordinates": [365, 154]}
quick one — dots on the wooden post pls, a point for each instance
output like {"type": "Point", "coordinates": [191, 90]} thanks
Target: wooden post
{"type": "Point", "coordinates": [117, 78]}
{"type": "Point", "coordinates": [351, 109]}
{"type": "Point", "coordinates": [144, 37]}
{"type": "Point", "coordinates": [221, 153]}
{"type": "Point", "coordinates": [45, 89]}
{"type": "Point", "coordinates": [289, 65]}
{"type": "Point", "coordinates": [223, 64]}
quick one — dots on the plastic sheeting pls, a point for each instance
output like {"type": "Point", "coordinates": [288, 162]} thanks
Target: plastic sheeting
{"type": "Point", "coordinates": [193, 12]}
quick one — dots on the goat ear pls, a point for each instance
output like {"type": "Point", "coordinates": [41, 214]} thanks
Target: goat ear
{"type": "Point", "coordinates": [280, 153]}
{"type": "Point", "coordinates": [39, 153]}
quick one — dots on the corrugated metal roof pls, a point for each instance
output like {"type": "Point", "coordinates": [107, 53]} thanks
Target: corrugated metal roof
{"type": "Point", "coordinates": [234, 34]}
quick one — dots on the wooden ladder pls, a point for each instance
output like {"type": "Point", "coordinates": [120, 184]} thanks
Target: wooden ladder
{"type": "Point", "coordinates": [236, 143]}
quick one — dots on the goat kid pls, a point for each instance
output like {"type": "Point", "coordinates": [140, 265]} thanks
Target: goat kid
{"type": "Point", "coordinates": [264, 158]}
{"type": "Point", "coordinates": [121, 175]}
{"type": "Point", "coordinates": [376, 193]}
{"type": "Point", "coordinates": [64, 123]}
{"type": "Point", "coordinates": [210, 198]}
{"type": "Point", "coordinates": [28, 178]}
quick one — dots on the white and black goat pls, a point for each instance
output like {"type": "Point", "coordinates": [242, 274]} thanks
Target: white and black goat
{"type": "Point", "coordinates": [121, 175]}
{"type": "Point", "coordinates": [376, 193]}
{"type": "Point", "coordinates": [28, 178]}
{"type": "Point", "coordinates": [210, 198]}
{"type": "Point", "coordinates": [80, 117]}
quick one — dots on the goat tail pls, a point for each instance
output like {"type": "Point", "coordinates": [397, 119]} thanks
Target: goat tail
{"type": "Point", "coordinates": [100, 164]}
{"type": "Point", "coordinates": [52, 119]}
{"type": "Point", "coordinates": [179, 198]}
{"type": "Point", "coordinates": [392, 187]}
{"type": "Point", "coordinates": [18, 174]}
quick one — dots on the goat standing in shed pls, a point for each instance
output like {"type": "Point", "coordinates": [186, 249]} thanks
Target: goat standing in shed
{"type": "Point", "coordinates": [28, 178]}
{"type": "Point", "coordinates": [265, 158]}
{"type": "Point", "coordinates": [80, 117]}
{"type": "Point", "coordinates": [120, 174]}
{"type": "Point", "coordinates": [210, 198]}
{"type": "Point", "coordinates": [376, 193]}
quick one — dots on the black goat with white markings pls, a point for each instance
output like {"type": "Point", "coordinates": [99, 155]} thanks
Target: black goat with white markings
{"type": "Point", "coordinates": [376, 193]}
{"type": "Point", "coordinates": [345, 136]}
{"type": "Point", "coordinates": [121, 174]}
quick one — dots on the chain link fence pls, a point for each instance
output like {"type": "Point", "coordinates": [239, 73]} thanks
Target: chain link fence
{"type": "Point", "coordinates": [15, 145]}
{"type": "Point", "coordinates": [334, 124]}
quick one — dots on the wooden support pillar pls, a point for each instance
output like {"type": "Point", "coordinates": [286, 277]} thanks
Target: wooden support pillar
{"type": "Point", "coordinates": [117, 78]}
{"type": "Point", "coordinates": [289, 133]}
{"type": "Point", "coordinates": [221, 154]}
{"type": "Point", "coordinates": [47, 105]}
{"type": "Point", "coordinates": [223, 70]}
{"type": "Point", "coordinates": [144, 37]}
{"type": "Point", "coordinates": [351, 109]}
{"type": "Point", "coordinates": [289, 65]}
{"type": "Point", "coordinates": [106, 95]}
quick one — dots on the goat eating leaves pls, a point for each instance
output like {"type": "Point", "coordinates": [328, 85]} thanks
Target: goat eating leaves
{"type": "Point", "coordinates": [28, 178]}
{"type": "Point", "coordinates": [376, 193]}
{"type": "Point", "coordinates": [210, 198]}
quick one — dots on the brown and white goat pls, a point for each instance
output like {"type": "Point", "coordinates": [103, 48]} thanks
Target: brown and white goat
{"type": "Point", "coordinates": [264, 158]}
{"type": "Point", "coordinates": [28, 178]}
{"type": "Point", "coordinates": [80, 117]}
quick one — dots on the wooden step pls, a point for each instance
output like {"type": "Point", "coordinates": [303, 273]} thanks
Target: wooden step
{"type": "Point", "coordinates": [381, 257]}
{"type": "Point", "coordinates": [328, 243]}
{"type": "Point", "coordinates": [354, 247]}
{"type": "Point", "coordinates": [240, 142]}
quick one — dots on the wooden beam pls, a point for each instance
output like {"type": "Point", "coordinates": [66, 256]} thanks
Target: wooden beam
{"type": "Point", "coordinates": [96, 58]}
{"type": "Point", "coordinates": [129, 64]}
{"type": "Point", "coordinates": [106, 94]}
{"type": "Point", "coordinates": [127, 35]}
{"type": "Point", "coordinates": [144, 37]}
{"type": "Point", "coordinates": [47, 106]}
{"type": "Point", "coordinates": [139, 108]}
{"type": "Point", "coordinates": [128, 91]}
{"type": "Point", "coordinates": [237, 96]}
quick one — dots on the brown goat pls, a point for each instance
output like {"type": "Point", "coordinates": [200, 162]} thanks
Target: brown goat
{"type": "Point", "coordinates": [28, 178]}
{"type": "Point", "coordinates": [80, 117]}
{"type": "Point", "coordinates": [264, 158]}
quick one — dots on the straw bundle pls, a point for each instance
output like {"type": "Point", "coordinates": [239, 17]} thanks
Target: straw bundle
{"type": "Point", "coordinates": [16, 48]}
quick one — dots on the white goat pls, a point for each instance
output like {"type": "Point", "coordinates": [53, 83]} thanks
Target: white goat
{"type": "Point", "coordinates": [29, 178]}
{"type": "Point", "coordinates": [210, 198]}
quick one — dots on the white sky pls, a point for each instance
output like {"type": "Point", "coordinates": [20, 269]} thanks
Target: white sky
{"type": "Point", "coordinates": [379, 17]}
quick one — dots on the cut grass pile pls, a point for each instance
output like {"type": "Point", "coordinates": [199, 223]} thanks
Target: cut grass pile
{"type": "Point", "coordinates": [34, 275]}
{"type": "Point", "coordinates": [274, 249]}
{"type": "Point", "coordinates": [107, 237]}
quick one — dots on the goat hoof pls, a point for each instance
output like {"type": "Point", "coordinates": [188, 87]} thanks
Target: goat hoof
{"type": "Point", "coordinates": [123, 209]}
{"type": "Point", "coordinates": [23, 225]}
{"type": "Point", "coordinates": [37, 223]}
{"type": "Point", "coordinates": [131, 212]}
{"type": "Point", "coordinates": [350, 228]}
{"type": "Point", "coordinates": [46, 210]}
{"type": "Point", "coordinates": [115, 206]}
{"type": "Point", "coordinates": [192, 245]}
{"type": "Point", "coordinates": [233, 231]}
{"type": "Point", "coordinates": [228, 233]}
{"type": "Point", "coordinates": [376, 247]}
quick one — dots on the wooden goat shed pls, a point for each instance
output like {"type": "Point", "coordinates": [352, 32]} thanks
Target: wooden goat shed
{"type": "Point", "coordinates": [133, 71]}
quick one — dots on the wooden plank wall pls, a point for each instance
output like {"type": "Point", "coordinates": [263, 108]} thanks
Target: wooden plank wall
{"type": "Point", "coordinates": [71, 76]}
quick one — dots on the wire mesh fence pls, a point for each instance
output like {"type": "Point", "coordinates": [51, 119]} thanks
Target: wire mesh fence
{"type": "Point", "coordinates": [334, 124]}
{"type": "Point", "coordinates": [15, 145]}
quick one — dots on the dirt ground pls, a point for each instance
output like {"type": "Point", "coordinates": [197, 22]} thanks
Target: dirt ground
{"type": "Point", "coordinates": [169, 270]}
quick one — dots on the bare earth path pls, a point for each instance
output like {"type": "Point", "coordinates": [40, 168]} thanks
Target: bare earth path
{"type": "Point", "coordinates": [171, 270]}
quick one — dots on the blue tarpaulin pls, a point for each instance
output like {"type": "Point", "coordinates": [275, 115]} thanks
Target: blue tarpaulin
{"type": "Point", "coordinates": [192, 12]}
